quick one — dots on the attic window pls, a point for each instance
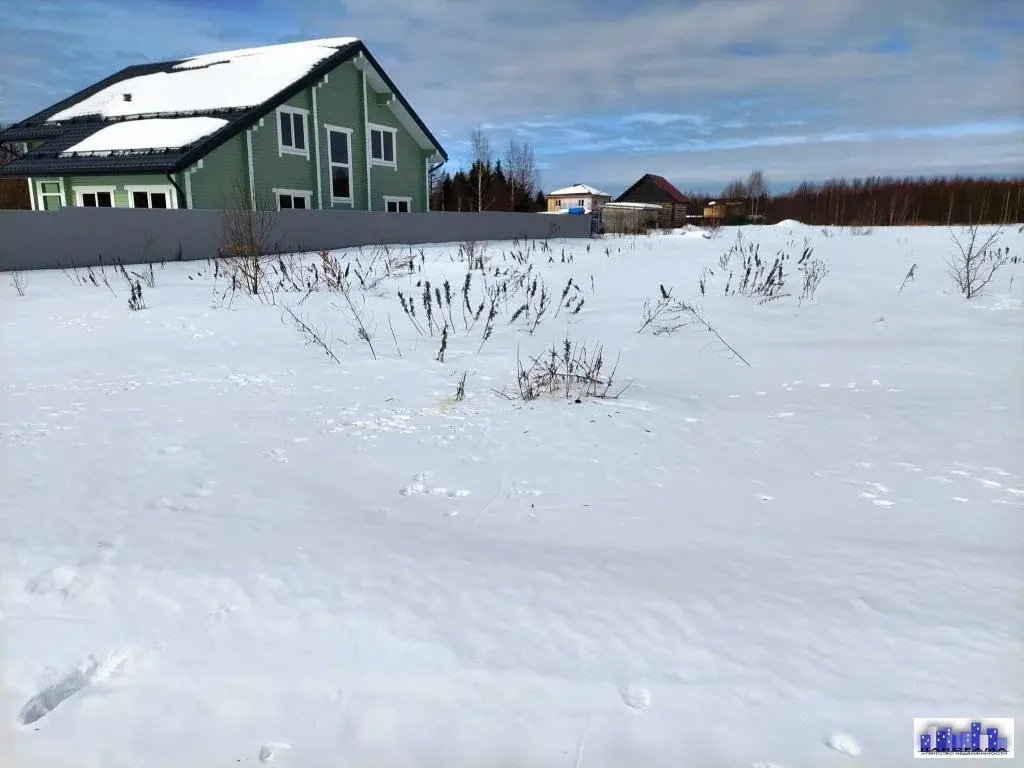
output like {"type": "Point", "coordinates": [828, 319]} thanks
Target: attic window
{"type": "Point", "coordinates": [291, 131]}
{"type": "Point", "coordinates": [382, 145]}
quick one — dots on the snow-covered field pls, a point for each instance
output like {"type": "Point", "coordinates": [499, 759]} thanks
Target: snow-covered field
{"type": "Point", "coordinates": [218, 545]}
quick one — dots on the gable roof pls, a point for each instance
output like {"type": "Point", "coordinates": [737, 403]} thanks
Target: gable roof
{"type": "Point", "coordinates": [163, 117]}
{"type": "Point", "coordinates": [577, 189]}
{"type": "Point", "coordinates": [673, 194]}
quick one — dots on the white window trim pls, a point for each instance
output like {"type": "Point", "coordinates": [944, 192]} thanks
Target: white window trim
{"type": "Point", "coordinates": [304, 193]}
{"type": "Point", "coordinates": [370, 128]}
{"type": "Point", "coordinates": [172, 198]}
{"type": "Point", "coordinates": [330, 165]}
{"type": "Point", "coordinates": [31, 194]}
{"type": "Point", "coordinates": [80, 191]}
{"type": "Point", "coordinates": [392, 199]}
{"type": "Point", "coordinates": [282, 150]}
{"type": "Point", "coordinates": [41, 196]}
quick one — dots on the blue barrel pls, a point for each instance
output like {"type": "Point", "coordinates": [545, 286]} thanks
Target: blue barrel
{"type": "Point", "coordinates": [577, 211]}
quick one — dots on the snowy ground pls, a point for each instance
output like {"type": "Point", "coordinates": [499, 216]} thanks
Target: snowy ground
{"type": "Point", "coordinates": [219, 546]}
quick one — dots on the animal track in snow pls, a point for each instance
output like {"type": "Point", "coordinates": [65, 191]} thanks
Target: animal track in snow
{"type": "Point", "coordinates": [419, 487]}
{"type": "Point", "coordinates": [277, 455]}
{"type": "Point", "coordinates": [842, 742]}
{"type": "Point", "coordinates": [77, 680]}
{"type": "Point", "coordinates": [269, 752]}
{"type": "Point", "coordinates": [68, 581]}
{"type": "Point", "coordinates": [635, 697]}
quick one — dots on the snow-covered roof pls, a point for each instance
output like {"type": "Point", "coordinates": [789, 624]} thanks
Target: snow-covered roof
{"type": "Point", "coordinates": [634, 206]}
{"type": "Point", "coordinates": [577, 189]}
{"type": "Point", "coordinates": [147, 134]}
{"type": "Point", "coordinates": [226, 80]}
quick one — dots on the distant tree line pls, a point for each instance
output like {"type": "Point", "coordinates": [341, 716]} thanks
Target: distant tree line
{"type": "Point", "coordinates": [509, 182]}
{"type": "Point", "coordinates": [885, 201]}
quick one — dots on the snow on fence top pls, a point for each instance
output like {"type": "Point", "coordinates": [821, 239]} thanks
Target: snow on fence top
{"type": "Point", "coordinates": [227, 80]}
{"type": "Point", "coordinates": [139, 135]}
{"type": "Point", "coordinates": [577, 189]}
{"type": "Point", "coordinates": [634, 206]}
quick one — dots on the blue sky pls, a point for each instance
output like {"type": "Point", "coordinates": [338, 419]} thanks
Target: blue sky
{"type": "Point", "coordinates": [699, 91]}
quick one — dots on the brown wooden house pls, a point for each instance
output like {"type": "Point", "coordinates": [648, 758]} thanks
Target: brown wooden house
{"type": "Point", "coordinates": [650, 188]}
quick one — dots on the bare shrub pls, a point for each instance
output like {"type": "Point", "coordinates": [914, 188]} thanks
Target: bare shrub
{"type": "Point", "coordinates": [907, 278]}
{"type": "Point", "coordinates": [748, 274]}
{"type": "Point", "coordinates": [567, 369]}
{"type": "Point", "coordinates": [813, 271]}
{"type": "Point", "coordinates": [146, 275]}
{"type": "Point", "coordinates": [473, 253]}
{"type": "Point", "coordinates": [18, 282]}
{"type": "Point", "coordinates": [313, 335]}
{"type": "Point", "coordinates": [135, 299]}
{"type": "Point", "coordinates": [248, 239]}
{"type": "Point", "coordinates": [667, 314]}
{"type": "Point", "coordinates": [460, 390]}
{"type": "Point", "coordinates": [977, 260]}
{"type": "Point", "coordinates": [711, 228]}
{"type": "Point", "coordinates": [362, 321]}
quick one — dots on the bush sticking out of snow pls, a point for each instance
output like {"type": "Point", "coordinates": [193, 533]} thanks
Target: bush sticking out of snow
{"type": "Point", "coordinates": [568, 369]}
{"type": "Point", "coordinates": [669, 314]}
{"type": "Point", "coordinates": [977, 259]}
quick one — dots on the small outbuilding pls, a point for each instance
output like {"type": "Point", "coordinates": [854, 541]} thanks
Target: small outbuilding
{"type": "Point", "coordinates": [652, 189]}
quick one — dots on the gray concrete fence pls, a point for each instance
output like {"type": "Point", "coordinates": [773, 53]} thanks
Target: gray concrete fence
{"type": "Point", "coordinates": [81, 237]}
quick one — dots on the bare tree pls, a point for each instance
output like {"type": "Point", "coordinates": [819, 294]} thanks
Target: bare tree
{"type": "Point", "coordinates": [521, 170]}
{"type": "Point", "coordinates": [977, 259]}
{"type": "Point", "coordinates": [756, 189]}
{"type": "Point", "coordinates": [483, 157]}
{"type": "Point", "coordinates": [735, 189]}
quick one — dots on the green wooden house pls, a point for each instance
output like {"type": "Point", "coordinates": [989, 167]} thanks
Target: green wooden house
{"type": "Point", "coordinates": [315, 125]}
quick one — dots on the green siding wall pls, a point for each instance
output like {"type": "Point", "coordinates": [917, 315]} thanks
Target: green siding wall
{"type": "Point", "coordinates": [340, 103]}
{"type": "Point", "coordinates": [408, 178]}
{"type": "Point", "coordinates": [223, 178]}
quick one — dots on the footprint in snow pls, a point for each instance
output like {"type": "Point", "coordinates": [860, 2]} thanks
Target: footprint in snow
{"type": "Point", "coordinates": [419, 487]}
{"type": "Point", "coordinates": [270, 751]}
{"type": "Point", "coordinates": [635, 697]}
{"type": "Point", "coordinates": [842, 742]}
{"type": "Point", "coordinates": [86, 675]}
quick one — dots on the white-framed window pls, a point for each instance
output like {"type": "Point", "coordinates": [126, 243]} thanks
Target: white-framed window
{"type": "Point", "coordinates": [151, 197]}
{"type": "Point", "coordinates": [94, 197]}
{"type": "Point", "coordinates": [383, 149]}
{"type": "Point", "coordinates": [50, 195]}
{"type": "Point", "coordinates": [339, 157]}
{"type": "Point", "coordinates": [558, 203]}
{"type": "Point", "coordinates": [397, 204]}
{"type": "Point", "coordinates": [293, 199]}
{"type": "Point", "coordinates": [291, 131]}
